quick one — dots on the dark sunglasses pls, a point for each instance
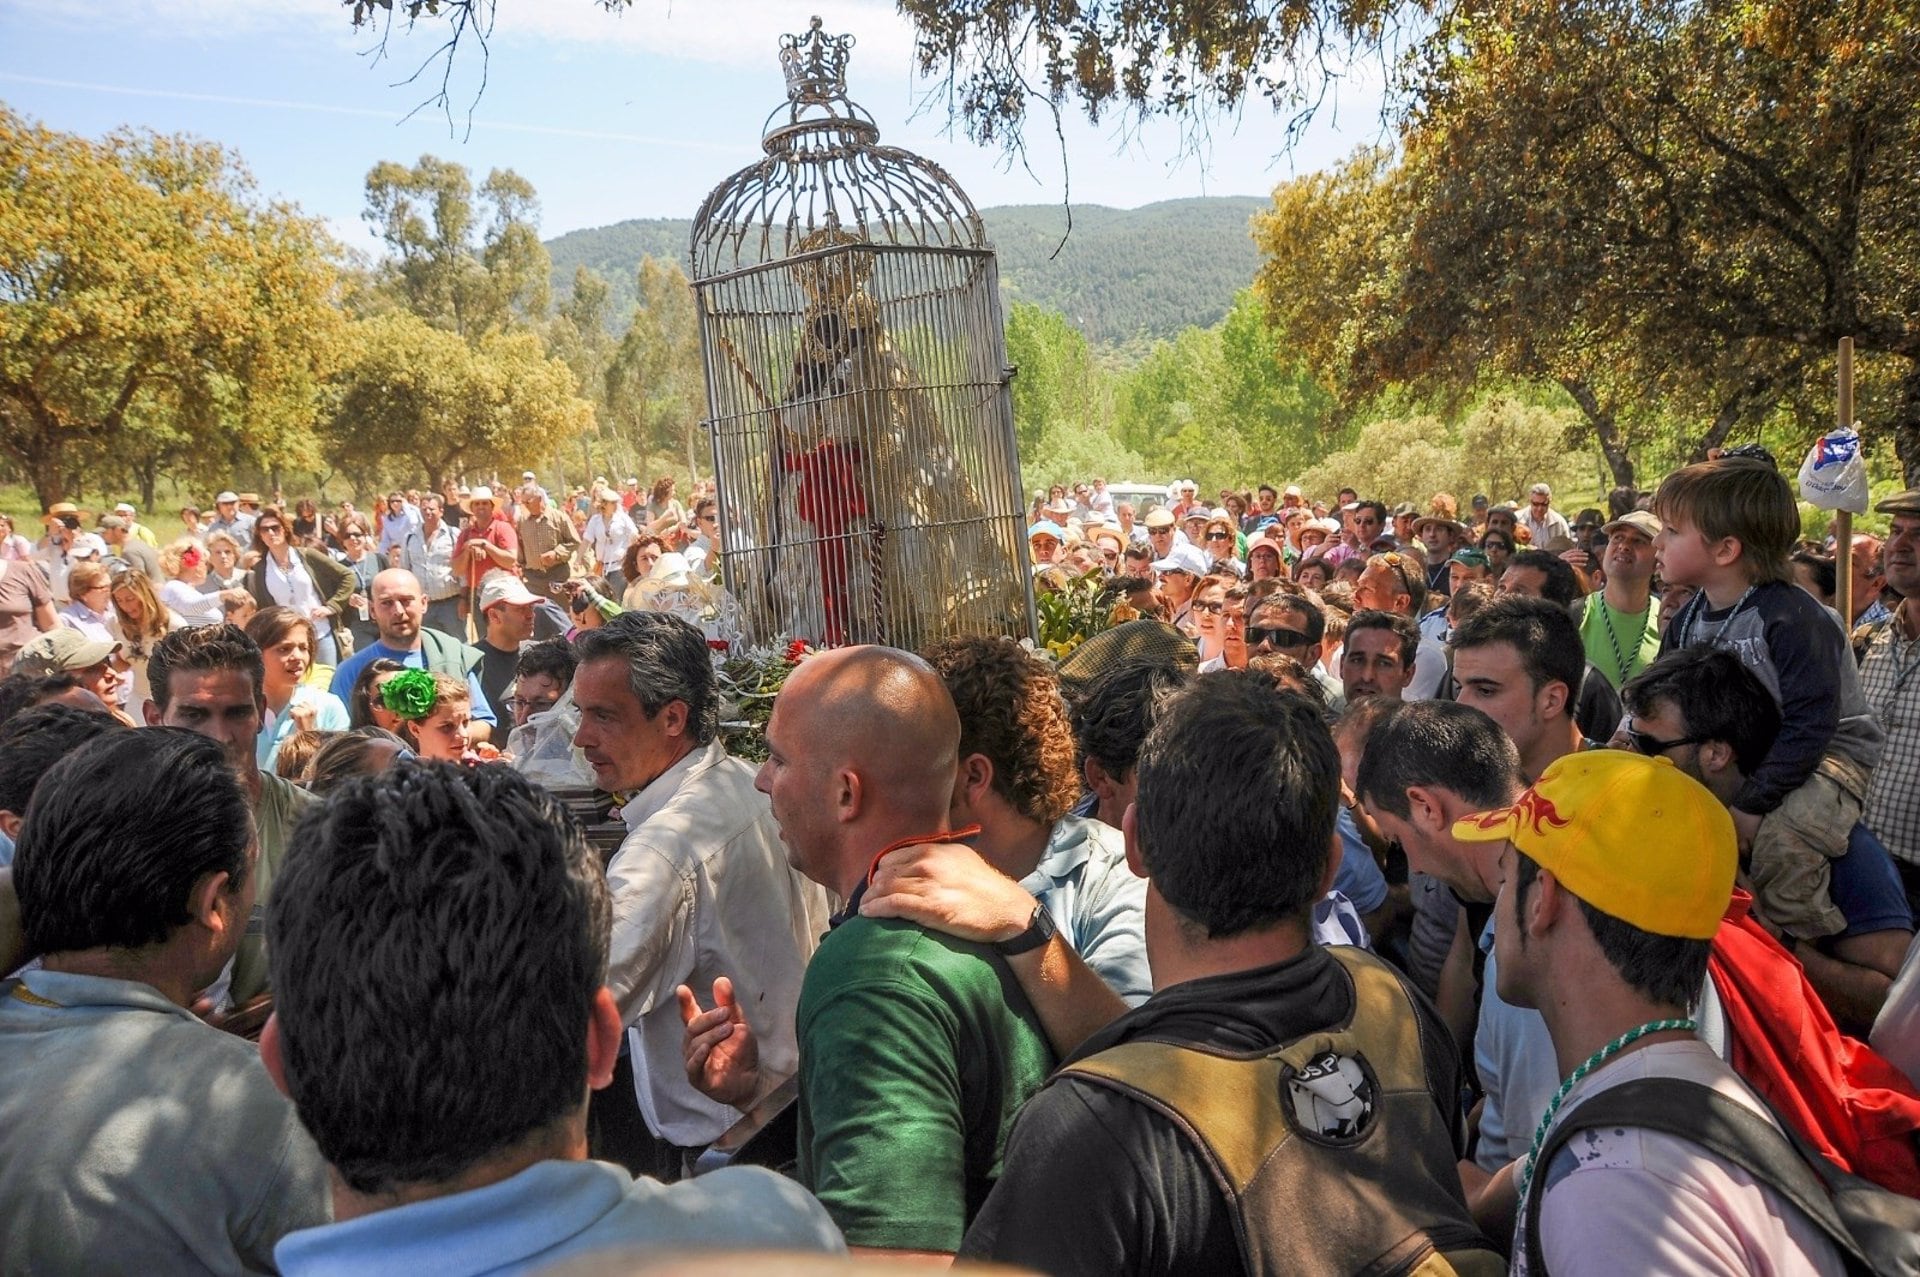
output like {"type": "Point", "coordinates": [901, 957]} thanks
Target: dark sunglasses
{"type": "Point", "coordinates": [270, 527]}
{"type": "Point", "coordinates": [1653, 746]}
{"type": "Point", "coordinates": [1219, 536]}
{"type": "Point", "coordinates": [1256, 635]}
{"type": "Point", "coordinates": [1213, 608]}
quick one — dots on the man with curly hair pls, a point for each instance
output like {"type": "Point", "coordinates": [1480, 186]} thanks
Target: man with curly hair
{"type": "Point", "coordinates": [1018, 781]}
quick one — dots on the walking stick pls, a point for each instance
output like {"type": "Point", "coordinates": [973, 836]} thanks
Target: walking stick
{"type": "Point", "coordinates": [1843, 518]}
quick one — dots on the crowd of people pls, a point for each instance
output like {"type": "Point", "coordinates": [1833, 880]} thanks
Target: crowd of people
{"type": "Point", "coordinates": [1387, 889]}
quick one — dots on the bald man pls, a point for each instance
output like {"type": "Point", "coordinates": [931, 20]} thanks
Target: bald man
{"type": "Point", "coordinates": [399, 606]}
{"type": "Point", "coordinates": [916, 1050]}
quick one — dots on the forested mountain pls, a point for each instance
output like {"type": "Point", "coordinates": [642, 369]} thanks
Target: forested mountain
{"type": "Point", "coordinates": [1122, 275]}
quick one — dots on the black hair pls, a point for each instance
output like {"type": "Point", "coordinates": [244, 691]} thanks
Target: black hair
{"type": "Point", "coordinates": [667, 660]}
{"type": "Point", "coordinates": [1239, 785]}
{"type": "Point", "coordinates": [1622, 500]}
{"type": "Point", "coordinates": [1667, 969]}
{"type": "Point", "coordinates": [1825, 573]}
{"type": "Point", "coordinates": [117, 834]}
{"type": "Point", "coordinates": [204, 649]}
{"type": "Point", "coordinates": [1378, 507]}
{"type": "Point", "coordinates": [33, 740]}
{"type": "Point", "coordinates": [1717, 694]}
{"type": "Point", "coordinates": [1543, 635]}
{"type": "Point", "coordinates": [1402, 627]}
{"type": "Point", "coordinates": [360, 699]}
{"type": "Point", "coordinates": [552, 658]}
{"type": "Point", "coordinates": [1112, 718]}
{"type": "Point", "coordinates": [436, 936]}
{"type": "Point", "coordinates": [1562, 587]}
{"type": "Point", "coordinates": [579, 603]}
{"type": "Point", "coordinates": [1437, 745]}
{"type": "Point", "coordinates": [1294, 602]}
{"type": "Point", "coordinates": [20, 692]}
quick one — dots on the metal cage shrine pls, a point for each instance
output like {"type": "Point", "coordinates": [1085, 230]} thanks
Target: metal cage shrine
{"type": "Point", "coordinates": [857, 385]}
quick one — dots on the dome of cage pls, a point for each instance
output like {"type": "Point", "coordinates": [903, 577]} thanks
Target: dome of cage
{"type": "Point", "coordinates": [826, 170]}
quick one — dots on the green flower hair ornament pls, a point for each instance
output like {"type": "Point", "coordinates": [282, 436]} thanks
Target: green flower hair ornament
{"type": "Point", "coordinates": [410, 694]}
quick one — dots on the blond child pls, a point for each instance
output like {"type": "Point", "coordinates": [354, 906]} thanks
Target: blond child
{"type": "Point", "coordinates": [1730, 524]}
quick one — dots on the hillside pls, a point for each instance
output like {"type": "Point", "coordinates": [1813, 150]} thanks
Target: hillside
{"type": "Point", "coordinates": [1123, 274]}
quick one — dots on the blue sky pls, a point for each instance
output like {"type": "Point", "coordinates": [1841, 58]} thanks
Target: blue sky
{"type": "Point", "coordinates": [610, 117]}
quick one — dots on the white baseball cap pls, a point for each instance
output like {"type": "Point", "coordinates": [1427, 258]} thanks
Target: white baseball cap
{"type": "Point", "coordinates": [501, 586]}
{"type": "Point", "coordinates": [1183, 558]}
{"type": "Point", "coordinates": [125, 507]}
{"type": "Point", "coordinates": [225, 497]}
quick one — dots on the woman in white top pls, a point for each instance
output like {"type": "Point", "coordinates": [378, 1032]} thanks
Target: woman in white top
{"type": "Point", "coordinates": [185, 563]}
{"type": "Point", "coordinates": [305, 580]}
{"type": "Point", "coordinates": [140, 620]}
{"type": "Point", "coordinates": [285, 639]}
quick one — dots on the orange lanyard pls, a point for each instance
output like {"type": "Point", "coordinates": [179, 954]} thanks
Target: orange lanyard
{"type": "Point", "coordinates": [945, 835]}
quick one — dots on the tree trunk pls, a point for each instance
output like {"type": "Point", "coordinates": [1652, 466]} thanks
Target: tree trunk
{"type": "Point", "coordinates": [147, 473]}
{"type": "Point", "coordinates": [1905, 426]}
{"type": "Point", "coordinates": [1606, 429]}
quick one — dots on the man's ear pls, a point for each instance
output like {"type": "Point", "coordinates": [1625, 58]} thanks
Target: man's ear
{"type": "Point", "coordinates": [673, 718]}
{"type": "Point", "coordinates": [847, 795]}
{"type": "Point", "coordinates": [1129, 831]}
{"type": "Point", "coordinates": [1426, 810]}
{"type": "Point", "coordinates": [10, 823]}
{"type": "Point", "coordinates": [203, 902]}
{"type": "Point", "coordinates": [270, 1054]}
{"type": "Point", "coordinates": [150, 712]}
{"type": "Point", "coordinates": [1715, 756]}
{"type": "Point", "coordinates": [604, 1032]}
{"type": "Point", "coordinates": [974, 780]}
{"type": "Point", "coordinates": [1098, 782]}
{"type": "Point", "coordinates": [1553, 699]}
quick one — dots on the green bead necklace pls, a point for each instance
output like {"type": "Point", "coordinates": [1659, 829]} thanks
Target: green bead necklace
{"type": "Point", "coordinates": [1574, 1079]}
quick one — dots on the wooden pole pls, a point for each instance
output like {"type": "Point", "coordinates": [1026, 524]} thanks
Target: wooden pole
{"type": "Point", "coordinates": [1843, 519]}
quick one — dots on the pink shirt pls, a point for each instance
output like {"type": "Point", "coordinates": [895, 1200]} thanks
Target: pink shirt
{"type": "Point", "coordinates": [1637, 1201]}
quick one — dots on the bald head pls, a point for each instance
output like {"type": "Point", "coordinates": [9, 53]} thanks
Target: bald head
{"type": "Point", "coordinates": [863, 743]}
{"type": "Point", "coordinates": [399, 605]}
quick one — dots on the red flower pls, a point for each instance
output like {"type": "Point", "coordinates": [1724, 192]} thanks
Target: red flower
{"type": "Point", "coordinates": [797, 649]}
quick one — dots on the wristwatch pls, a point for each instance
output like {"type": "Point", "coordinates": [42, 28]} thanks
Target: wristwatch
{"type": "Point", "coordinates": [1040, 929]}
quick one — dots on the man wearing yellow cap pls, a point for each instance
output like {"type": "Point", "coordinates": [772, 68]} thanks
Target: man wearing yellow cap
{"type": "Point", "coordinates": [1617, 870]}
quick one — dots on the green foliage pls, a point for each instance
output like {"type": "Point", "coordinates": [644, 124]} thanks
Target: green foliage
{"type": "Point", "coordinates": [1072, 610]}
{"type": "Point", "coordinates": [1498, 448]}
{"type": "Point", "coordinates": [422, 394]}
{"type": "Point", "coordinates": [654, 388]}
{"type": "Point", "coordinates": [157, 314]}
{"type": "Point", "coordinates": [1123, 277]}
{"type": "Point", "coordinates": [443, 265]}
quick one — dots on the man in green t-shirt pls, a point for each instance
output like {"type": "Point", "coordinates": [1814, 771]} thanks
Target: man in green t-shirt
{"type": "Point", "coordinates": [1620, 626]}
{"type": "Point", "coordinates": [916, 1050]}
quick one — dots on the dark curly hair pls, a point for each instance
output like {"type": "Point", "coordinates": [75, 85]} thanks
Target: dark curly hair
{"type": "Point", "coordinates": [1012, 712]}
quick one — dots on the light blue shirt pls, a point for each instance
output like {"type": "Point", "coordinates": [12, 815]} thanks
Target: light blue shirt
{"type": "Point", "coordinates": [1359, 878]}
{"type": "Point", "coordinates": [6, 851]}
{"type": "Point", "coordinates": [556, 1209]}
{"type": "Point", "coordinates": [136, 1139]}
{"type": "Point", "coordinates": [329, 716]}
{"type": "Point", "coordinates": [1096, 902]}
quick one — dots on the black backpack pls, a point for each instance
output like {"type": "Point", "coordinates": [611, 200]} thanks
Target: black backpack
{"type": "Point", "coordinates": [1877, 1232]}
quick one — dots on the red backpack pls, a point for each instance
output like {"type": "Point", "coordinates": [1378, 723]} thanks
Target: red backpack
{"type": "Point", "coordinates": [1850, 1104]}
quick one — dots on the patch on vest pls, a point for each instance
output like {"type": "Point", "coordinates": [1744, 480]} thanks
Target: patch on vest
{"type": "Point", "coordinates": [1331, 1099]}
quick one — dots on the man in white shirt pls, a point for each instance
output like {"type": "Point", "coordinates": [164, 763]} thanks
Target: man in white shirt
{"type": "Point", "coordinates": [427, 552]}
{"type": "Point", "coordinates": [610, 531]}
{"type": "Point", "coordinates": [1604, 929]}
{"type": "Point", "coordinates": [1541, 520]}
{"type": "Point", "coordinates": [701, 885]}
